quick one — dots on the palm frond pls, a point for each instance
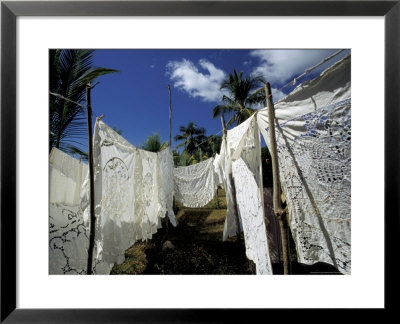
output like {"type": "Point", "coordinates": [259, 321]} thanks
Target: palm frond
{"type": "Point", "coordinates": [224, 109]}
{"type": "Point", "coordinates": [70, 71]}
{"type": "Point", "coordinates": [73, 150]}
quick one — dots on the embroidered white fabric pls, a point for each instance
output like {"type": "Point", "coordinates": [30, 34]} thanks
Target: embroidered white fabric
{"type": "Point", "coordinates": [166, 175]}
{"type": "Point", "coordinates": [249, 197]}
{"type": "Point", "coordinates": [235, 138]}
{"type": "Point", "coordinates": [68, 237]}
{"type": "Point", "coordinates": [130, 193]}
{"type": "Point", "coordinates": [66, 176]}
{"type": "Point", "coordinates": [69, 242]}
{"type": "Point", "coordinates": [194, 185]}
{"type": "Point", "coordinates": [117, 222]}
{"type": "Point", "coordinates": [232, 150]}
{"type": "Point", "coordinates": [218, 172]}
{"type": "Point", "coordinates": [223, 165]}
{"type": "Point", "coordinates": [314, 150]}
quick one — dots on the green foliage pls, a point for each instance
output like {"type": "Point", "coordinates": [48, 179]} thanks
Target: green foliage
{"type": "Point", "coordinates": [242, 97]}
{"type": "Point", "coordinates": [73, 150]}
{"type": "Point", "coordinates": [186, 159]}
{"type": "Point", "coordinates": [70, 72]}
{"type": "Point", "coordinates": [118, 131]}
{"type": "Point", "coordinates": [191, 138]}
{"type": "Point", "coordinates": [212, 145]}
{"type": "Point", "coordinates": [153, 143]}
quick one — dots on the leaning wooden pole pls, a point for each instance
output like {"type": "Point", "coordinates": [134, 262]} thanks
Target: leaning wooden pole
{"type": "Point", "coordinates": [278, 211]}
{"type": "Point", "coordinates": [91, 179]}
{"type": "Point", "coordinates": [170, 115]}
{"type": "Point", "coordinates": [231, 182]}
{"type": "Point", "coordinates": [170, 147]}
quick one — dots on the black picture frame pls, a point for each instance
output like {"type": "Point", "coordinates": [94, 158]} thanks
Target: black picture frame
{"type": "Point", "coordinates": [10, 10]}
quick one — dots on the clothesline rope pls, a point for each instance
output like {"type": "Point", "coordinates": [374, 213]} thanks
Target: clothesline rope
{"type": "Point", "coordinates": [208, 138]}
{"type": "Point", "coordinates": [326, 59]}
{"type": "Point", "coordinates": [62, 97]}
{"type": "Point", "coordinates": [74, 102]}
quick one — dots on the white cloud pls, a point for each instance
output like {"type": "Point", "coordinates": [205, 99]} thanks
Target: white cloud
{"type": "Point", "coordinates": [277, 66]}
{"type": "Point", "coordinates": [277, 95]}
{"type": "Point", "coordinates": [188, 78]}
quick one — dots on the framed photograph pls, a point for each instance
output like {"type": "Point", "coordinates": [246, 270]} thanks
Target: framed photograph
{"type": "Point", "coordinates": [369, 29]}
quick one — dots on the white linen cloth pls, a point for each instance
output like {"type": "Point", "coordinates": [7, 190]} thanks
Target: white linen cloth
{"type": "Point", "coordinates": [221, 166]}
{"type": "Point", "coordinates": [69, 243]}
{"type": "Point", "coordinates": [68, 237]}
{"type": "Point", "coordinates": [231, 150]}
{"type": "Point", "coordinates": [245, 150]}
{"type": "Point", "coordinates": [195, 185]}
{"type": "Point", "coordinates": [118, 223]}
{"type": "Point", "coordinates": [66, 176]}
{"type": "Point", "coordinates": [166, 193]}
{"type": "Point", "coordinates": [314, 151]}
{"type": "Point", "coordinates": [130, 193]}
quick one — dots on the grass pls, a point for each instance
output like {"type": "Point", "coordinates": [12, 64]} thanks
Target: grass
{"type": "Point", "coordinates": [199, 248]}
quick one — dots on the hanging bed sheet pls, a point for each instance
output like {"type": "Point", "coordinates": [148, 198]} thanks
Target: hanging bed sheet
{"type": "Point", "coordinates": [68, 236]}
{"type": "Point", "coordinates": [130, 193]}
{"type": "Point", "coordinates": [244, 160]}
{"type": "Point", "coordinates": [313, 135]}
{"type": "Point", "coordinates": [195, 185]}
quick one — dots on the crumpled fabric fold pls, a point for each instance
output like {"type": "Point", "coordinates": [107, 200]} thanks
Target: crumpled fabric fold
{"type": "Point", "coordinates": [68, 236]}
{"type": "Point", "coordinates": [131, 193]}
{"type": "Point", "coordinates": [195, 185]}
{"type": "Point", "coordinates": [313, 135]}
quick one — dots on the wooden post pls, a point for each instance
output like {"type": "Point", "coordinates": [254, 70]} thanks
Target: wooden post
{"type": "Point", "coordinates": [231, 182]}
{"type": "Point", "coordinates": [170, 147]}
{"type": "Point", "coordinates": [278, 211]}
{"type": "Point", "coordinates": [170, 115]}
{"type": "Point", "coordinates": [91, 178]}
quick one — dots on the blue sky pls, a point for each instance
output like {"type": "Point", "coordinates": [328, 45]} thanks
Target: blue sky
{"type": "Point", "coordinates": [136, 100]}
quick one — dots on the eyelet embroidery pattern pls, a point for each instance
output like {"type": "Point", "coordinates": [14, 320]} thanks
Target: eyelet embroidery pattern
{"type": "Point", "coordinates": [132, 192]}
{"type": "Point", "coordinates": [68, 242]}
{"type": "Point", "coordinates": [246, 175]}
{"type": "Point", "coordinates": [315, 170]}
{"type": "Point", "coordinates": [252, 218]}
{"type": "Point", "coordinates": [194, 185]}
{"type": "Point", "coordinates": [166, 192]}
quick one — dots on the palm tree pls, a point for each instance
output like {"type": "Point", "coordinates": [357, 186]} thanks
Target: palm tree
{"type": "Point", "coordinates": [70, 72]}
{"type": "Point", "coordinates": [242, 97]}
{"type": "Point", "coordinates": [153, 143]}
{"type": "Point", "coordinates": [213, 144]}
{"type": "Point", "coordinates": [192, 138]}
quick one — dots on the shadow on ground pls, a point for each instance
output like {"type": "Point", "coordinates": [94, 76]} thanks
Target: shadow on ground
{"type": "Point", "coordinates": [195, 246]}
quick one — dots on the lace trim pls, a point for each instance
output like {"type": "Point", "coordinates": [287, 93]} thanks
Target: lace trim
{"type": "Point", "coordinates": [194, 185]}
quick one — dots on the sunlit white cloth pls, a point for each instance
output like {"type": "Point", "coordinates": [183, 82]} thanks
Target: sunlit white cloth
{"type": "Point", "coordinates": [66, 176]}
{"type": "Point", "coordinates": [314, 149]}
{"type": "Point", "coordinates": [195, 185]}
{"type": "Point", "coordinates": [246, 164]}
{"type": "Point", "coordinates": [130, 193]}
{"type": "Point", "coordinates": [68, 237]}
{"type": "Point", "coordinates": [69, 243]}
{"type": "Point", "coordinates": [166, 174]}
{"type": "Point", "coordinates": [221, 166]}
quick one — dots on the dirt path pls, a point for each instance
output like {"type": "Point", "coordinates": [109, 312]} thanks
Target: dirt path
{"type": "Point", "coordinates": [197, 247]}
